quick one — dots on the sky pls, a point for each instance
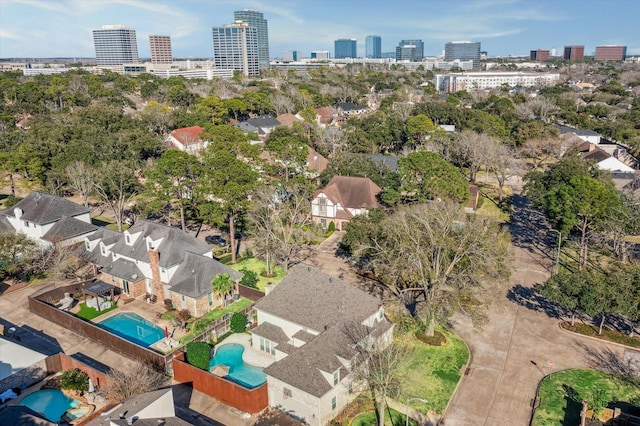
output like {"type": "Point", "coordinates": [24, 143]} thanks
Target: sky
{"type": "Point", "coordinates": [62, 28]}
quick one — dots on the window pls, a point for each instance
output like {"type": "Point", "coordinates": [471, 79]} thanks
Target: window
{"type": "Point", "coordinates": [26, 223]}
{"type": "Point", "coordinates": [350, 387]}
{"type": "Point", "coordinates": [286, 393]}
{"type": "Point", "coordinates": [125, 286]}
{"type": "Point", "coordinates": [336, 378]}
{"type": "Point", "coordinates": [87, 245]}
{"type": "Point", "coordinates": [183, 301]}
{"type": "Point", "coordinates": [103, 250]}
{"type": "Point", "coordinates": [127, 239]}
{"type": "Point", "coordinates": [334, 402]}
{"type": "Point", "coordinates": [210, 299]}
{"type": "Point", "coordinates": [322, 206]}
{"type": "Point", "coordinates": [267, 346]}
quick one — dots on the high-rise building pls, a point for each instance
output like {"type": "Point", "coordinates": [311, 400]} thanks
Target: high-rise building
{"type": "Point", "coordinates": [345, 48]}
{"type": "Point", "coordinates": [410, 50]}
{"type": "Point", "coordinates": [611, 53]}
{"type": "Point", "coordinates": [115, 45]}
{"type": "Point", "coordinates": [290, 56]}
{"type": "Point", "coordinates": [160, 49]}
{"type": "Point", "coordinates": [320, 55]}
{"type": "Point", "coordinates": [373, 46]}
{"type": "Point", "coordinates": [539, 55]}
{"type": "Point", "coordinates": [463, 50]}
{"type": "Point", "coordinates": [572, 53]}
{"type": "Point", "coordinates": [256, 19]}
{"type": "Point", "coordinates": [235, 47]}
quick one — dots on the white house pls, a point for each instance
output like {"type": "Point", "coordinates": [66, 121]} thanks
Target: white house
{"type": "Point", "coordinates": [304, 324]}
{"type": "Point", "coordinates": [48, 220]}
{"type": "Point", "coordinates": [603, 160]}
{"type": "Point", "coordinates": [187, 139]}
{"type": "Point", "coordinates": [342, 199]}
{"type": "Point", "coordinates": [584, 134]}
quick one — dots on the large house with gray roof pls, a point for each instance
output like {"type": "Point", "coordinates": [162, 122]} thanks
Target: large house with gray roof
{"type": "Point", "coordinates": [48, 220]}
{"type": "Point", "coordinates": [303, 324]}
{"type": "Point", "coordinates": [150, 259]}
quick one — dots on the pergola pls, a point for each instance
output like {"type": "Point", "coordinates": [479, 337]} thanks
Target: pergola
{"type": "Point", "coordinates": [96, 289]}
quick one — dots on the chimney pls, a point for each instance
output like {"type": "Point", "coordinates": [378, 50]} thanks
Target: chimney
{"type": "Point", "coordinates": [154, 261]}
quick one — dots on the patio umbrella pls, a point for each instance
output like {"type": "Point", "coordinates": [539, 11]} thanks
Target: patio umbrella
{"type": "Point", "coordinates": [166, 333]}
{"type": "Point", "coordinates": [92, 388]}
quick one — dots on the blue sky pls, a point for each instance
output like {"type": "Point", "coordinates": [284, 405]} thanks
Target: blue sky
{"type": "Point", "coordinates": [53, 28]}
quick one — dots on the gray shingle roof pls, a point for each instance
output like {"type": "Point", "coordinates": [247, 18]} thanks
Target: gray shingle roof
{"type": "Point", "coordinates": [389, 161]}
{"type": "Point", "coordinates": [175, 243]}
{"type": "Point", "coordinates": [581, 132]}
{"type": "Point", "coordinates": [304, 336]}
{"type": "Point", "coordinates": [66, 228]}
{"type": "Point", "coordinates": [311, 298]}
{"type": "Point", "coordinates": [42, 208]}
{"type": "Point", "coordinates": [193, 277]}
{"type": "Point", "coordinates": [124, 269]}
{"type": "Point", "coordinates": [263, 122]}
{"type": "Point", "coordinates": [5, 226]}
{"type": "Point", "coordinates": [271, 332]}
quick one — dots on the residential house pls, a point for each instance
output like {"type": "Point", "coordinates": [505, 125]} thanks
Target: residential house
{"type": "Point", "coordinates": [584, 134]}
{"type": "Point", "coordinates": [287, 119]}
{"type": "Point", "coordinates": [316, 163]}
{"type": "Point", "coordinates": [325, 116]}
{"type": "Point", "coordinates": [603, 159]}
{"type": "Point", "coordinates": [48, 220]}
{"type": "Point", "coordinates": [150, 408]}
{"type": "Point", "coordinates": [349, 109]}
{"type": "Point", "coordinates": [342, 199]}
{"type": "Point", "coordinates": [187, 139]}
{"type": "Point", "coordinates": [153, 259]}
{"type": "Point", "coordinates": [305, 324]}
{"type": "Point", "coordinates": [262, 125]}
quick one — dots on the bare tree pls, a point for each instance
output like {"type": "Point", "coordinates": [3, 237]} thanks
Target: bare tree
{"type": "Point", "coordinates": [81, 178]}
{"type": "Point", "coordinates": [281, 103]}
{"type": "Point", "coordinates": [468, 150]}
{"type": "Point", "coordinates": [435, 259]}
{"type": "Point", "coordinates": [132, 379]}
{"type": "Point", "coordinates": [541, 150]}
{"type": "Point", "coordinates": [503, 164]}
{"type": "Point", "coordinates": [116, 184]}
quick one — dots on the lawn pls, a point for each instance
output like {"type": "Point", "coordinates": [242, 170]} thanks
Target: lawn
{"type": "Point", "coordinates": [561, 395]}
{"type": "Point", "coordinates": [488, 202]}
{"type": "Point", "coordinates": [391, 418]}
{"type": "Point", "coordinates": [258, 266]}
{"type": "Point", "coordinates": [607, 334]}
{"type": "Point", "coordinates": [201, 324]}
{"type": "Point", "coordinates": [89, 313]}
{"type": "Point", "coordinates": [434, 371]}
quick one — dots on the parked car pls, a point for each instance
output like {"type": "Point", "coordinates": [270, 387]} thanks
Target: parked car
{"type": "Point", "coordinates": [216, 240]}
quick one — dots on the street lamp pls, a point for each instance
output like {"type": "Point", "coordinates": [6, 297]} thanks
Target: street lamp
{"type": "Point", "coordinates": [558, 254]}
{"type": "Point", "coordinates": [413, 399]}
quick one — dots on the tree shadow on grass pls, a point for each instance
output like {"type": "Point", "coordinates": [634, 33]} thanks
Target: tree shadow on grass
{"type": "Point", "coordinates": [625, 367]}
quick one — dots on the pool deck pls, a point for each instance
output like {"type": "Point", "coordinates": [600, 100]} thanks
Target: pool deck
{"type": "Point", "coordinates": [250, 356]}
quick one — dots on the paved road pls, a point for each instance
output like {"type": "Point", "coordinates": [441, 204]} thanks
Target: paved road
{"type": "Point", "coordinates": [521, 343]}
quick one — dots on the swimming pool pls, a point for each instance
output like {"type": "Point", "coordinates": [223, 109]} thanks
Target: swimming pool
{"type": "Point", "coordinates": [239, 371]}
{"type": "Point", "coordinates": [51, 403]}
{"type": "Point", "coordinates": [133, 327]}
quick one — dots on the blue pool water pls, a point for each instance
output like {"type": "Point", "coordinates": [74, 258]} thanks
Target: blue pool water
{"type": "Point", "coordinates": [239, 371]}
{"type": "Point", "coordinates": [133, 327]}
{"type": "Point", "coordinates": [51, 403]}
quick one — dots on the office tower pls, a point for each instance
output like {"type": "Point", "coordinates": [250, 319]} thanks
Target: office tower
{"type": "Point", "coordinates": [573, 52]}
{"type": "Point", "coordinates": [463, 50]}
{"type": "Point", "coordinates": [235, 46]}
{"type": "Point", "coordinates": [373, 46]}
{"type": "Point", "coordinates": [290, 56]}
{"type": "Point", "coordinates": [321, 55]}
{"type": "Point", "coordinates": [345, 48]}
{"type": "Point", "coordinates": [539, 55]}
{"type": "Point", "coordinates": [256, 19]}
{"type": "Point", "coordinates": [410, 50]}
{"type": "Point", "coordinates": [160, 49]}
{"type": "Point", "coordinates": [611, 53]}
{"type": "Point", "coordinates": [115, 45]}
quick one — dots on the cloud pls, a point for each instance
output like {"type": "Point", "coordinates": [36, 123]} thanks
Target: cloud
{"type": "Point", "coordinates": [7, 34]}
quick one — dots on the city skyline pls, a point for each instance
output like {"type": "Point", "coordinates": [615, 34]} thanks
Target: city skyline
{"type": "Point", "coordinates": [63, 28]}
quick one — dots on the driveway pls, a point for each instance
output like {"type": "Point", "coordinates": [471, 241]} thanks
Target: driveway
{"type": "Point", "coordinates": [521, 343]}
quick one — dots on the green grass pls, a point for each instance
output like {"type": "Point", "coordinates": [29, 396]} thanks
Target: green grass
{"type": "Point", "coordinates": [488, 202]}
{"type": "Point", "coordinates": [561, 395]}
{"type": "Point", "coordinates": [391, 418]}
{"type": "Point", "coordinates": [89, 313]}
{"type": "Point", "coordinates": [434, 371]}
{"type": "Point", "coordinates": [259, 266]}
{"type": "Point", "coordinates": [607, 334]}
{"type": "Point", "coordinates": [201, 324]}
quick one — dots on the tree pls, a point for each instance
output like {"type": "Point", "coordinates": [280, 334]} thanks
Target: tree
{"type": "Point", "coordinates": [622, 220]}
{"type": "Point", "coordinates": [172, 180]}
{"type": "Point", "coordinates": [115, 185]}
{"type": "Point", "coordinates": [503, 164]}
{"type": "Point", "coordinates": [541, 150]}
{"type": "Point", "coordinates": [222, 284]}
{"type": "Point", "coordinates": [418, 127]}
{"type": "Point", "coordinates": [468, 150]}
{"type": "Point", "coordinates": [133, 379]}
{"type": "Point", "coordinates": [427, 176]}
{"type": "Point", "coordinates": [567, 288]}
{"type": "Point", "coordinates": [434, 259]}
{"type": "Point", "coordinates": [290, 153]}
{"type": "Point", "coordinates": [81, 178]}
{"type": "Point", "coordinates": [279, 216]}
{"type": "Point", "coordinates": [17, 251]}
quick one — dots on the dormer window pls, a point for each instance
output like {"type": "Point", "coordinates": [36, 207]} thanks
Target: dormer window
{"type": "Point", "coordinates": [103, 249]}
{"type": "Point", "coordinates": [127, 239]}
{"type": "Point", "coordinates": [336, 378]}
{"type": "Point", "coordinates": [87, 245]}
{"type": "Point", "coordinates": [149, 244]}
{"type": "Point", "coordinates": [26, 224]}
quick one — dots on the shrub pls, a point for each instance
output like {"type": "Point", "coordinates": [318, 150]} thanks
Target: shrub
{"type": "Point", "coordinates": [168, 304]}
{"type": "Point", "coordinates": [238, 322]}
{"type": "Point", "coordinates": [332, 227]}
{"type": "Point", "coordinates": [198, 354]}
{"type": "Point", "coordinates": [184, 315]}
{"type": "Point", "coordinates": [11, 201]}
{"type": "Point", "coordinates": [249, 278]}
{"type": "Point", "coordinates": [74, 379]}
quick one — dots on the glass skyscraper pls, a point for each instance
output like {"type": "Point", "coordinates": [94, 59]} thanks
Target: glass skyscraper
{"type": "Point", "coordinates": [373, 46]}
{"type": "Point", "coordinates": [345, 48]}
{"type": "Point", "coordinates": [464, 51]}
{"type": "Point", "coordinates": [256, 19]}
{"type": "Point", "coordinates": [115, 45]}
{"type": "Point", "coordinates": [410, 50]}
{"type": "Point", "coordinates": [236, 47]}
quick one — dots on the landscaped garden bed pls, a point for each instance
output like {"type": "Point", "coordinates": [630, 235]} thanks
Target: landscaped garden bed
{"type": "Point", "coordinates": [200, 325]}
{"type": "Point", "coordinates": [607, 334]}
{"type": "Point", "coordinates": [561, 395]}
{"type": "Point", "coordinates": [259, 267]}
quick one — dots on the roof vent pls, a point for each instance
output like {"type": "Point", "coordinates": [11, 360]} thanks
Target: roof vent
{"type": "Point", "coordinates": [330, 279]}
{"type": "Point", "coordinates": [134, 276]}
